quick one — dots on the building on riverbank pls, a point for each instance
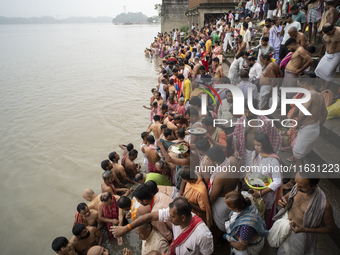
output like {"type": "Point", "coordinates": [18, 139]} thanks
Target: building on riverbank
{"type": "Point", "coordinates": [198, 10]}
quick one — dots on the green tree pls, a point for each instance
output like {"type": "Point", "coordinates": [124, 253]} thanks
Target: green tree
{"type": "Point", "coordinates": [158, 8]}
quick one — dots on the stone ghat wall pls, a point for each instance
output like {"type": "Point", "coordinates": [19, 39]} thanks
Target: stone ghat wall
{"type": "Point", "coordinates": [173, 14]}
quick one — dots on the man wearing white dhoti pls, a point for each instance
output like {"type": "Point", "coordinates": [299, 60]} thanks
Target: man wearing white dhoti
{"type": "Point", "coordinates": [306, 213]}
{"type": "Point", "coordinates": [330, 61]}
{"type": "Point", "coordinates": [229, 30]}
{"type": "Point", "coordinates": [308, 126]}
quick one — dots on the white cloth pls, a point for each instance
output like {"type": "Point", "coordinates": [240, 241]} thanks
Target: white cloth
{"type": "Point", "coordinates": [174, 192]}
{"type": "Point", "coordinates": [224, 113]}
{"type": "Point", "coordinates": [305, 140]}
{"type": "Point", "coordinates": [251, 249]}
{"type": "Point", "coordinates": [227, 40]}
{"type": "Point", "coordinates": [231, 220]}
{"type": "Point", "coordinates": [270, 14]}
{"type": "Point", "coordinates": [247, 38]}
{"type": "Point", "coordinates": [256, 71]}
{"type": "Point", "coordinates": [199, 242]}
{"type": "Point", "coordinates": [327, 66]}
{"type": "Point", "coordinates": [220, 213]}
{"type": "Point", "coordinates": [186, 72]}
{"type": "Point", "coordinates": [293, 245]}
{"type": "Point", "coordinates": [163, 93]}
{"type": "Point", "coordinates": [279, 232]}
{"type": "Point", "coordinates": [243, 85]}
{"type": "Point", "coordinates": [234, 70]}
{"type": "Point", "coordinates": [286, 36]}
{"type": "Point", "coordinates": [265, 89]}
{"type": "Point", "coordinates": [144, 156]}
{"type": "Point", "coordinates": [247, 157]}
{"type": "Point", "coordinates": [249, 5]}
{"type": "Point", "coordinates": [281, 236]}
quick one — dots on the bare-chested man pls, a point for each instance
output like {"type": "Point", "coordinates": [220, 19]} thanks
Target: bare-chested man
{"type": "Point", "coordinates": [327, 66]}
{"type": "Point", "coordinates": [126, 148]}
{"type": "Point", "coordinates": [93, 199]}
{"type": "Point", "coordinates": [107, 185]}
{"type": "Point", "coordinates": [268, 80]}
{"type": "Point", "coordinates": [62, 246]}
{"type": "Point", "coordinates": [155, 126]}
{"type": "Point", "coordinates": [219, 71]}
{"type": "Point", "coordinates": [220, 183]}
{"type": "Point", "coordinates": [307, 211]}
{"type": "Point", "coordinates": [151, 154]}
{"type": "Point", "coordinates": [148, 53]}
{"type": "Point", "coordinates": [131, 168]}
{"type": "Point", "coordinates": [118, 169]}
{"type": "Point", "coordinates": [159, 99]}
{"type": "Point", "coordinates": [155, 48]}
{"type": "Point", "coordinates": [266, 28]}
{"type": "Point", "coordinates": [229, 31]}
{"type": "Point", "coordinates": [300, 37]}
{"type": "Point", "coordinates": [175, 124]}
{"type": "Point", "coordinates": [241, 45]}
{"type": "Point", "coordinates": [89, 217]}
{"type": "Point", "coordinates": [85, 237]}
{"type": "Point", "coordinates": [99, 250]}
{"type": "Point", "coordinates": [331, 14]}
{"type": "Point", "coordinates": [196, 67]}
{"type": "Point", "coordinates": [107, 166]}
{"type": "Point", "coordinates": [309, 126]}
{"type": "Point", "coordinates": [299, 61]}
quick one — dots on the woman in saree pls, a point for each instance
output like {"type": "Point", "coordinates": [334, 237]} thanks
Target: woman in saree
{"type": "Point", "coordinates": [204, 56]}
{"type": "Point", "coordinates": [217, 51]}
{"type": "Point", "coordinates": [266, 162]}
{"type": "Point", "coordinates": [246, 230]}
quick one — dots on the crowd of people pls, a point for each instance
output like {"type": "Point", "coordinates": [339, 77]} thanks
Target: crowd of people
{"type": "Point", "coordinates": [177, 206]}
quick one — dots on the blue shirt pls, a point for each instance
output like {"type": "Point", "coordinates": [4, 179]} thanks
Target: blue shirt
{"type": "Point", "coordinates": [300, 17]}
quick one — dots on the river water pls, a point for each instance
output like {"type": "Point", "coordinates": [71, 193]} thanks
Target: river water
{"type": "Point", "coordinates": [69, 95]}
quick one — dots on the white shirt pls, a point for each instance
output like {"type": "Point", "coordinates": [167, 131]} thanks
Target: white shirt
{"type": "Point", "coordinates": [250, 24]}
{"type": "Point", "coordinates": [199, 242]}
{"type": "Point", "coordinates": [186, 72]}
{"type": "Point", "coordinates": [272, 172]}
{"type": "Point", "coordinates": [249, 5]}
{"type": "Point", "coordinates": [286, 35]}
{"type": "Point", "coordinates": [255, 70]}
{"type": "Point", "coordinates": [247, 38]}
{"type": "Point", "coordinates": [224, 114]}
{"type": "Point", "coordinates": [175, 35]}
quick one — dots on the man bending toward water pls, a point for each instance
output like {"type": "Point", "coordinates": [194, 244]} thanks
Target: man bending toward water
{"type": "Point", "coordinates": [151, 154]}
{"type": "Point", "coordinates": [93, 199]}
{"type": "Point", "coordinates": [107, 185]}
{"type": "Point", "coordinates": [118, 169]}
{"type": "Point", "coordinates": [128, 163]}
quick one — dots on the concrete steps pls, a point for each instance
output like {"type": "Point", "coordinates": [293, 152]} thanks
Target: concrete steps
{"type": "Point", "coordinates": [331, 131]}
